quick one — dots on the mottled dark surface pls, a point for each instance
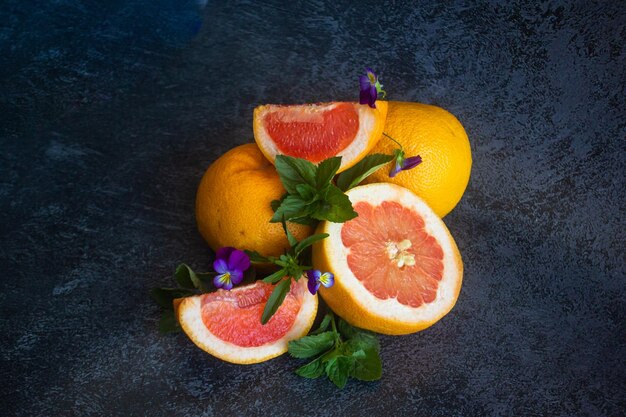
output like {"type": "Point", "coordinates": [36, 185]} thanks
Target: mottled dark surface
{"type": "Point", "coordinates": [111, 112]}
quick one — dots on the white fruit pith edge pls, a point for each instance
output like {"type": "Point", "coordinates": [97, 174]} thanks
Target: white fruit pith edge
{"type": "Point", "coordinates": [390, 308]}
{"type": "Point", "coordinates": [190, 318]}
{"type": "Point", "coordinates": [367, 122]}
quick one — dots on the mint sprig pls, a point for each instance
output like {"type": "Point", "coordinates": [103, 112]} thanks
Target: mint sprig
{"type": "Point", "coordinates": [292, 265]}
{"type": "Point", "coordinates": [344, 352]}
{"type": "Point", "coordinates": [311, 194]}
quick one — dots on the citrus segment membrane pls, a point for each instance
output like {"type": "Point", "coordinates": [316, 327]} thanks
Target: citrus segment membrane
{"type": "Point", "coordinates": [391, 253]}
{"type": "Point", "coordinates": [235, 317]}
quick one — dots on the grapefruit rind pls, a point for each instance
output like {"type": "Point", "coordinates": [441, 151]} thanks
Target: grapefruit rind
{"type": "Point", "coordinates": [351, 300]}
{"type": "Point", "coordinates": [371, 125]}
{"type": "Point", "coordinates": [189, 316]}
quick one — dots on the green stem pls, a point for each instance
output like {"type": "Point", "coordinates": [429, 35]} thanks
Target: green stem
{"type": "Point", "coordinates": [332, 323]}
{"type": "Point", "coordinates": [398, 143]}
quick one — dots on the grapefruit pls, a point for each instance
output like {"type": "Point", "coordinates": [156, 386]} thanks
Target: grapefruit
{"type": "Point", "coordinates": [439, 138]}
{"type": "Point", "coordinates": [227, 324]}
{"type": "Point", "coordinates": [397, 268]}
{"type": "Point", "coordinates": [233, 204]}
{"type": "Point", "coordinates": [319, 131]}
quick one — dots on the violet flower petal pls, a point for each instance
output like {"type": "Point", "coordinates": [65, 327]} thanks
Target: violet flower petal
{"type": "Point", "coordinates": [364, 97]}
{"type": "Point", "coordinates": [238, 260]}
{"type": "Point", "coordinates": [220, 266]}
{"type": "Point", "coordinates": [373, 95]}
{"type": "Point", "coordinates": [236, 276]}
{"type": "Point", "coordinates": [327, 279]}
{"type": "Point", "coordinates": [364, 83]}
{"type": "Point", "coordinates": [224, 253]}
{"type": "Point", "coordinates": [396, 168]}
{"type": "Point", "coordinates": [313, 285]}
{"type": "Point", "coordinates": [411, 162]}
{"type": "Point", "coordinates": [220, 280]}
{"type": "Point", "coordinates": [313, 274]}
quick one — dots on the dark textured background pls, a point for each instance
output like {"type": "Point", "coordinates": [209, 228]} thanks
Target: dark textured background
{"type": "Point", "coordinates": [111, 111]}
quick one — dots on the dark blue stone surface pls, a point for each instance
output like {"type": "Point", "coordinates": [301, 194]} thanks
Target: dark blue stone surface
{"type": "Point", "coordinates": [111, 111]}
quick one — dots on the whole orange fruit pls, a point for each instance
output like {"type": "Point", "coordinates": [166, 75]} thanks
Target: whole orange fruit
{"type": "Point", "coordinates": [439, 138]}
{"type": "Point", "coordinates": [233, 203]}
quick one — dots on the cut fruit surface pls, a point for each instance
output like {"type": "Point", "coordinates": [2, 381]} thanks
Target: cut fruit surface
{"type": "Point", "coordinates": [397, 268]}
{"type": "Point", "coordinates": [227, 324]}
{"type": "Point", "coordinates": [319, 131]}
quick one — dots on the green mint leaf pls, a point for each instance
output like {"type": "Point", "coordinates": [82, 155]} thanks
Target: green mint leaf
{"type": "Point", "coordinates": [305, 219]}
{"type": "Point", "coordinates": [308, 193]}
{"type": "Point", "coordinates": [275, 300]}
{"type": "Point", "coordinates": [369, 367]}
{"type": "Point", "coordinates": [165, 296]}
{"type": "Point", "coordinates": [326, 170]}
{"type": "Point", "coordinates": [360, 339]}
{"type": "Point", "coordinates": [275, 277]}
{"type": "Point", "coordinates": [276, 203]}
{"type": "Point", "coordinates": [309, 346]}
{"type": "Point", "coordinates": [294, 171]}
{"type": "Point", "coordinates": [206, 280]}
{"type": "Point", "coordinates": [337, 207]}
{"type": "Point", "coordinates": [256, 256]}
{"type": "Point", "coordinates": [292, 207]}
{"type": "Point", "coordinates": [338, 369]}
{"type": "Point", "coordinates": [364, 340]}
{"type": "Point", "coordinates": [346, 330]}
{"type": "Point", "coordinates": [290, 238]}
{"type": "Point", "coordinates": [363, 169]}
{"type": "Point", "coordinates": [185, 277]}
{"type": "Point", "coordinates": [169, 323]}
{"type": "Point", "coordinates": [359, 354]}
{"type": "Point", "coordinates": [324, 324]}
{"type": "Point", "coordinates": [305, 243]}
{"type": "Point", "coordinates": [313, 369]}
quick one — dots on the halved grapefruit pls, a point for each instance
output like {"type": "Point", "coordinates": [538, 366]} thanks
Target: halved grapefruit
{"type": "Point", "coordinates": [227, 324]}
{"type": "Point", "coordinates": [397, 268]}
{"type": "Point", "coordinates": [319, 131]}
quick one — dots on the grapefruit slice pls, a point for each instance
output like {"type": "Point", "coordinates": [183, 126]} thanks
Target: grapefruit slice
{"type": "Point", "coordinates": [227, 324]}
{"type": "Point", "coordinates": [319, 131]}
{"type": "Point", "coordinates": [397, 268]}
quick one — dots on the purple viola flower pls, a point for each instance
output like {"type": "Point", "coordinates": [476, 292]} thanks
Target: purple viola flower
{"type": "Point", "coordinates": [230, 264]}
{"type": "Point", "coordinates": [370, 88]}
{"type": "Point", "coordinates": [404, 164]}
{"type": "Point", "coordinates": [316, 279]}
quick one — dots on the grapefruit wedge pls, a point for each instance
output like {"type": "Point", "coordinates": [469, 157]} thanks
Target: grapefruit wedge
{"type": "Point", "coordinates": [397, 268]}
{"type": "Point", "coordinates": [227, 324]}
{"type": "Point", "coordinates": [319, 131]}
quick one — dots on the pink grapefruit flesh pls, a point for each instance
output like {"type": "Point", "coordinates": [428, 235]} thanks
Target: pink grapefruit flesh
{"type": "Point", "coordinates": [378, 230]}
{"type": "Point", "coordinates": [313, 135]}
{"type": "Point", "coordinates": [235, 317]}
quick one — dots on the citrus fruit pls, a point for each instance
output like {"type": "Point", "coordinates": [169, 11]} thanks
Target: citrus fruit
{"type": "Point", "coordinates": [397, 269]}
{"type": "Point", "coordinates": [319, 131]}
{"type": "Point", "coordinates": [439, 138]}
{"type": "Point", "coordinates": [227, 324]}
{"type": "Point", "coordinates": [233, 203]}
